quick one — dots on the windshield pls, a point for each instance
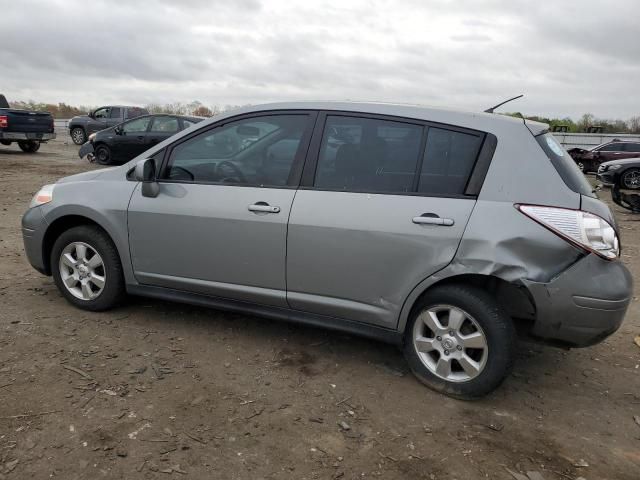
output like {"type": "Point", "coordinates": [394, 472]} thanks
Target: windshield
{"type": "Point", "coordinates": [564, 164]}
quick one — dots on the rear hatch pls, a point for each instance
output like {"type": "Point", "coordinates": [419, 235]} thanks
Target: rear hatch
{"type": "Point", "coordinates": [25, 121]}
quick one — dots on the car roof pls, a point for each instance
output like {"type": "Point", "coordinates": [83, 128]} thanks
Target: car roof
{"type": "Point", "coordinates": [474, 120]}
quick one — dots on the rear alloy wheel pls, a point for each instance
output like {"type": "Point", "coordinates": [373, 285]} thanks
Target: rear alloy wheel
{"type": "Point", "coordinates": [86, 268]}
{"type": "Point", "coordinates": [460, 342]}
{"type": "Point", "coordinates": [78, 136]}
{"type": "Point", "coordinates": [581, 167]}
{"type": "Point", "coordinates": [29, 146]}
{"type": "Point", "coordinates": [102, 155]}
{"type": "Point", "coordinates": [631, 179]}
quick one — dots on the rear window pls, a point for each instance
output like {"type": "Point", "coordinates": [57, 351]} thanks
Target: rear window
{"type": "Point", "coordinates": [564, 164]}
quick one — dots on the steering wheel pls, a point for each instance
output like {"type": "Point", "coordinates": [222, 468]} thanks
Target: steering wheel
{"type": "Point", "coordinates": [238, 175]}
{"type": "Point", "coordinates": [176, 173]}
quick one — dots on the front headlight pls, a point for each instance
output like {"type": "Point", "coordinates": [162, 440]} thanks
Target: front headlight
{"type": "Point", "coordinates": [614, 167]}
{"type": "Point", "coordinates": [44, 195]}
{"type": "Point", "coordinates": [91, 137]}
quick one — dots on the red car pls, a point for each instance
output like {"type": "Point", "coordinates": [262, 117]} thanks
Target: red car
{"type": "Point", "coordinates": [590, 160]}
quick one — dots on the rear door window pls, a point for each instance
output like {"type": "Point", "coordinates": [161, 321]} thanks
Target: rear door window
{"type": "Point", "coordinates": [449, 158]}
{"type": "Point", "coordinates": [164, 125]}
{"type": "Point", "coordinates": [612, 147]}
{"type": "Point", "coordinates": [368, 155]}
{"type": "Point", "coordinates": [632, 147]}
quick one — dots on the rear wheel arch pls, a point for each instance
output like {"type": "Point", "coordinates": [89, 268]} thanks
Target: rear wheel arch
{"type": "Point", "coordinates": [510, 297]}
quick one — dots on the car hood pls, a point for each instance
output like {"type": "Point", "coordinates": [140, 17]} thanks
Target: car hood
{"type": "Point", "coordinates": [625, 161]}
{"type": "Point", "coordinates": [85, 176]}
{"type": "Point", "coordinates": [80, 118]}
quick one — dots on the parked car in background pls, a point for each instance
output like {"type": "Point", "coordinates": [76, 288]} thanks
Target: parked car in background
{"type": "Point", "coordinates": [82, 126]}
{"type": "Point", "coordinates": [27, 128]}
{"type": "Point", "coordinates": [624, 173]}
{"type": "Point", "coordinates": [127, 140]}
{"type": "Point", "coordinates": [590, 160]}
{"type": "Point", "coordinates": [437, 230]}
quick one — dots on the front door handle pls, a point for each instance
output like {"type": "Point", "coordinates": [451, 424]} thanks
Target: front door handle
{"type": "Point", "coordinates": [263, 207]}
{"type": "Point", "coordinates": [433, 219]}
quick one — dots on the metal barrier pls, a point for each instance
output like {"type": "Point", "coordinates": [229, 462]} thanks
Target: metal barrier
{"type": "Point", "coordinates": [590, 140]}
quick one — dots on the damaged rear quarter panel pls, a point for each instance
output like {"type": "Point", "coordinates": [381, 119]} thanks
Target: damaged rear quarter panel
{"type": "Point", "coordinates": [501, 242]}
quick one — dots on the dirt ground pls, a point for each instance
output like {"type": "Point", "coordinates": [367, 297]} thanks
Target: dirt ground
{"type": "Point", "coordinates": [160, 390]}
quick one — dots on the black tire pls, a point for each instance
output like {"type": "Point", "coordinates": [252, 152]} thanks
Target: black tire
{"type": "Point", "coordinates": [496, 326]}
{"type": "Point", "coordinates": [113, 292]}
{"type": "Point", "coordinates": [78, 135]}
{"type": "Point", "coordinates": [102, 154]}
{"type": "Point", "coordinates": [29, 146]}
{"type": "Point", "coordinates": [630, 179]}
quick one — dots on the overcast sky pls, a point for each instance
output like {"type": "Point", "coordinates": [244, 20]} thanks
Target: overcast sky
{"type": "Point", "coordinates": [567, 57]}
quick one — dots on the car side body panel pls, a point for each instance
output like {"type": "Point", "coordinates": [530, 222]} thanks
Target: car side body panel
{"type": "Point", "coordinates": [103, 198]}
{"type": "Point", "coordinates": [358, 255]}
{"type": "Point", "coordinates": [203, 238]}
{"type": "Point", "coordinates": [490, 237]}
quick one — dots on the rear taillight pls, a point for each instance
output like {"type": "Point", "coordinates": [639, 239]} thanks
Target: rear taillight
{"type": "Point", "coordinates": [582, 229]}
{"type": "Point", "coordinates": [4, 121]}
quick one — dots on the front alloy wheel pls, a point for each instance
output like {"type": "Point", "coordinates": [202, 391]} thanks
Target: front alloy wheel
{"type": "Point", "coordinates": [86, 268]}
{"type": "Point", "coordinates": [631, 179]}
{"type": "Point", "coordinates": [82, 271]}
{"type": "Point", "coordinates": [78, 136]}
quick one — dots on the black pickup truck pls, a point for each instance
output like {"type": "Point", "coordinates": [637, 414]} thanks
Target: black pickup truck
{"type": "Point", "coordinates": [104, 117]}
{"type": "Point", "coordinates": [25, 127]}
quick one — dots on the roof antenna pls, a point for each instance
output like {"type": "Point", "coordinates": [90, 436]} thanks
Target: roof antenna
{"type": "Point", "coordinates": [490, 110]}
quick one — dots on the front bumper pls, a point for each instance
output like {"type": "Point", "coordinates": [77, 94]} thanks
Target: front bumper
{"type": "Point", "coordinates": [86, 149]}
{"type": "Point", "coordinates": [33, 229]}
{"type": "Point", "coordinates": [608, 177]}
{"type": "Point", "coordinates": [27, 136]}
{"type": "Point", "coordinates": [584, 304]}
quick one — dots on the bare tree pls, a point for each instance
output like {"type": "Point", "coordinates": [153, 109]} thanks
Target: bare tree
{"type": "Point", "coordinates": [634, 124]}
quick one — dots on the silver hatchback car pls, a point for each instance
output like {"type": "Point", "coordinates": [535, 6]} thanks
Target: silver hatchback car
{"type": "Point", "coordinates": [444, 232]}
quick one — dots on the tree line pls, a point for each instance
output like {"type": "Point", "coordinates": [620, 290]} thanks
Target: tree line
{"type": "Point", "coordinates": [62, 110]}
{"type": "Point", "coordinates": [586, 121]}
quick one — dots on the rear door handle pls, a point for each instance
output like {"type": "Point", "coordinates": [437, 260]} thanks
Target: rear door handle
{"type": "Point", "coordinates": [263, 207]}
{"type": "Point", "coordinates": [432, 219]}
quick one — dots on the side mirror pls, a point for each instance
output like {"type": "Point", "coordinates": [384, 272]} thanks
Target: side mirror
{"type": "Point", "coordinates": [118, 130]}
{"type": "Point", "coordinates": [145, 172]}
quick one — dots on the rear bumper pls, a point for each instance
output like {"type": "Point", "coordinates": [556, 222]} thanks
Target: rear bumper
{"type": "Point", "coordinates": [584, 304]}
{"type": "Point", "coordinates": [27, 136]}
{"type": "Point", "coordinates": [33, 228]}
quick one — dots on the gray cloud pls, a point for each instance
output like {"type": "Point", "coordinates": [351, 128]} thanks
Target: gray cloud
{"type": "Point", "coordinates": [567, 58]}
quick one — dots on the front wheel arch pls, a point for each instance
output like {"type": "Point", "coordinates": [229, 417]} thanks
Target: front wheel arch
{"type": "Point", "coordinates": [57, 228]}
